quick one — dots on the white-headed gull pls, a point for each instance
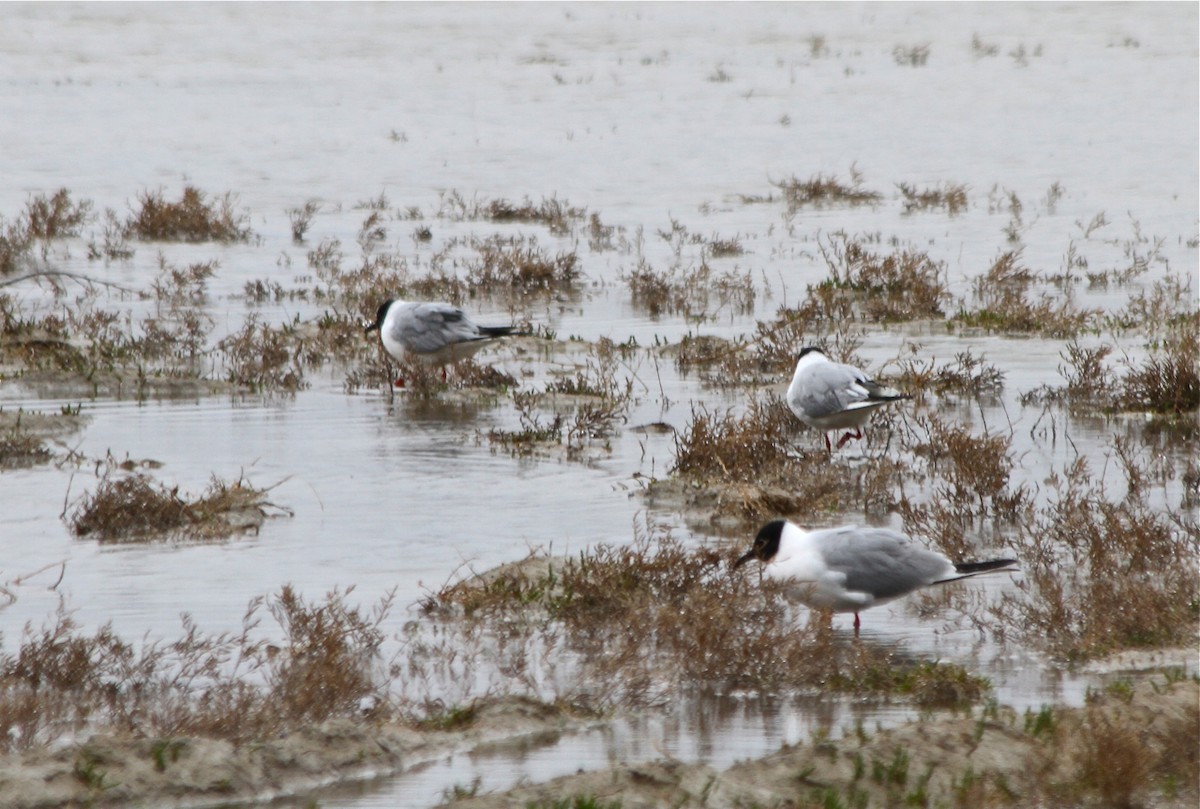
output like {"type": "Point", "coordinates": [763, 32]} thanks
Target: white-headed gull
{"type": "Point", "coordinates": [434, 333]}
{"type": "Point", "coordinates": [832, 396]}
{"type": "Point", "coordinates": [854, 567]}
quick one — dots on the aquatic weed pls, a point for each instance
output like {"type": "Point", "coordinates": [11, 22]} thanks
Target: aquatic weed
{"type": "Point", "coordinates": [690, 292]}
{"type": "Point", "coordinates": [301, 219]}
{"type": "Point", "coordinates": [906, 285]}
{"type": "Point", "coordinates": [191, 219]}
{"type": "Point", "coordinates": [1103, 574]}
{"type": "Point", "coordinates": [519, 265]}
{"type": "Point", "coordinates": [262, 357]}
{"type": "Point", "coordinates": [1003, 294]}
{"type": "Point", "coordinates": [136, 508]}
{"type": "Point", "coordinates": [821, 190]}
{"type": "Point", "coordinates": [950, 196]}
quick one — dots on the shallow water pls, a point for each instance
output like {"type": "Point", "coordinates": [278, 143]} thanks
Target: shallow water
{"type": "Point", "coordinates": [612, 107]}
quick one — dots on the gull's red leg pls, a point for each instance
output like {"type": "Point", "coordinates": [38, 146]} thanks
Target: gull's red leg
{"type": "Point", "coordinates": [857, 434]}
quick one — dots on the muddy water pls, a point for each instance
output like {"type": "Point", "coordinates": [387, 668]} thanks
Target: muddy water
{"type": "Point", "coordinates": [644, 114]}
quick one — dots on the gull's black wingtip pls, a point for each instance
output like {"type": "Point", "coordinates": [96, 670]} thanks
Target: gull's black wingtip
{"type": "Point", "coordinates": [971, 568]}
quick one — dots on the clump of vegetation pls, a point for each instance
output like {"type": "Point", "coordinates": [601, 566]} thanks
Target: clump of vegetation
{"type": "Point", "coordinates": [1168, 384]}
{"type": "Point", "coordinates": [820, 190]}
{"type": "Point", "coordinates": [422, 381]}
{"type": "Point", "coordinates": [963, 482]}
{"type": "Point", "coordinates": [113, 245]}
{"type": "Point", "coordinates": [20, 447]}
{"type": "Point", "coordinates": [56, 217]}
{"type": "Point", "coordinates": [586, 408]}
{"type": "Point", "coordinates": [747, 468]}
{"type": "Point", "coordinates": [45, 219]}
{"type": "Point", "coordinates": [951, 196]}
{"type": "Point", "coordinates": [1103, 574]}
{"type": "Point", "coordinates": [519, 265]}
{"type": "Point", "coordinates": [263, 358]}
{"type": "Point", "coordinates": [718, 360]}
{"type": "Point", "coordinates": [1003, 295]}
{"type": "Point", "coordinates": [15, 245]}
{"type": "Point", "coordinates": [703, 628]}
{"type": "Point", "coordinates": [191, 219]}
{"type": "Point", "coordinates": [301, 219]}
{"type": "Point", "coordinates": [911, 55]}
{"type": "Point", "coordinates": [555, 215]}
{"type": "Point", "coordinates": [719, 247]}
{"type": "Point", "coordinates": [688, 292]}
{"type": "Point", "coordinates": [908, 285]}
{"type": "Point", "coordinates": [136, 508]}
{"type": "Point", "coordinates": [966, 374]}
{"type": "Point", "coordinates": [1089, 380]}
{"type": "Point", "coordinates": [535, 432]}
{"type": "Point", "coordinates": [61, 680]}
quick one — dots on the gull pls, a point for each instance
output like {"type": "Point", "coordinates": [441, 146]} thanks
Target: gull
{"type": "Point", "coordinates": [832, 396]}
{"type": "Point", "coordinates": [436, 334]}
{"type": "Point", "coordinates": [854, 567]}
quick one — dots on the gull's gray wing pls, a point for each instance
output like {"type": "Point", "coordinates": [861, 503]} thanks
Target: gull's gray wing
{"type": "Point", "coordinates": [827, 389]}
{"type": "Point", "coordinates": [428, 327]}
{"type": "Point", "coordinates": [879, 561]}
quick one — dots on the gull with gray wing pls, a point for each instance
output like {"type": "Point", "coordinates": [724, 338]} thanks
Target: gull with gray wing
{"type": "Point", "coordinates": [831, 396]}
{"type": "Point", "coordinates": [434, 333]}
{"type": "Point", "coordinates": [853, 568]}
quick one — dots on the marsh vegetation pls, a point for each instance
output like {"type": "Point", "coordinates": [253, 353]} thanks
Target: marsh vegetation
{"type": "Point", "coordinates": [1050, 347]}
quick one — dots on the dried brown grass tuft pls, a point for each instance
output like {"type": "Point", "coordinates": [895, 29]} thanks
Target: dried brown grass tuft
{"type": "Point", "coordinates": [966, 374]}
{"type": "Point", "coordinates": [1003, 294]}
{"type": "Point", "coordinates": [585, 408]}
{"type": "Point", "coordinates": [557, 216]}
{"type": "Point", "coordinates": [20, 448]}
{"type": "Point", "coordinates": [191, 219]}
{"type": "Point", "coordinates": [57, 216]}
{"type": "Point", "coordinates": [264, 358]}
{"type": "Point", "coordinates": [519, 265]}
{"type": "Point", "coordinates": [821, 190]}
{"type": "Point", "coordinates": [689, 292]}
{"type": "Point", "coordinates": [747, 468]}
{"type": "Point", "coordinates": [1104, 574]}
{"type": "Point", "coordinates": [1169, 382]}
{"type": "Point", "coordinates": [135, 508]}
{"type": "Point", "coordinates": [951, 196]}
{"type": "Point", "coordinates": [907, 285]}
{"type": "Point", "coordinates": [238, 687]}
{"type": "Point", "coordinates": [1166, 385]}
{"type": "Point", "coordinates": [45, 219]}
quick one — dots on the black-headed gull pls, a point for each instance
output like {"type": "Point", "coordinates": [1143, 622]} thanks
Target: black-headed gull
{"type": "Point", "coordinates": [435, 333]}
{"type": "Point", "coordinates": [854, 567]}
{"type": "Point", "coordinates": [832, 396]}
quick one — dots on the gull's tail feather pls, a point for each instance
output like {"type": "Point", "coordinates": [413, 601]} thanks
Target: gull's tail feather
{"type": "Point", "coordinates": [888, 396]}
{"type": "Point", "coordinates": [878, 393]}
{"type": "Point", "coordinates": [501, 331]}
{"type": "Point", "coordinates": [966, 569]}
{"type": "Point", "coordinates": [970, 568]}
